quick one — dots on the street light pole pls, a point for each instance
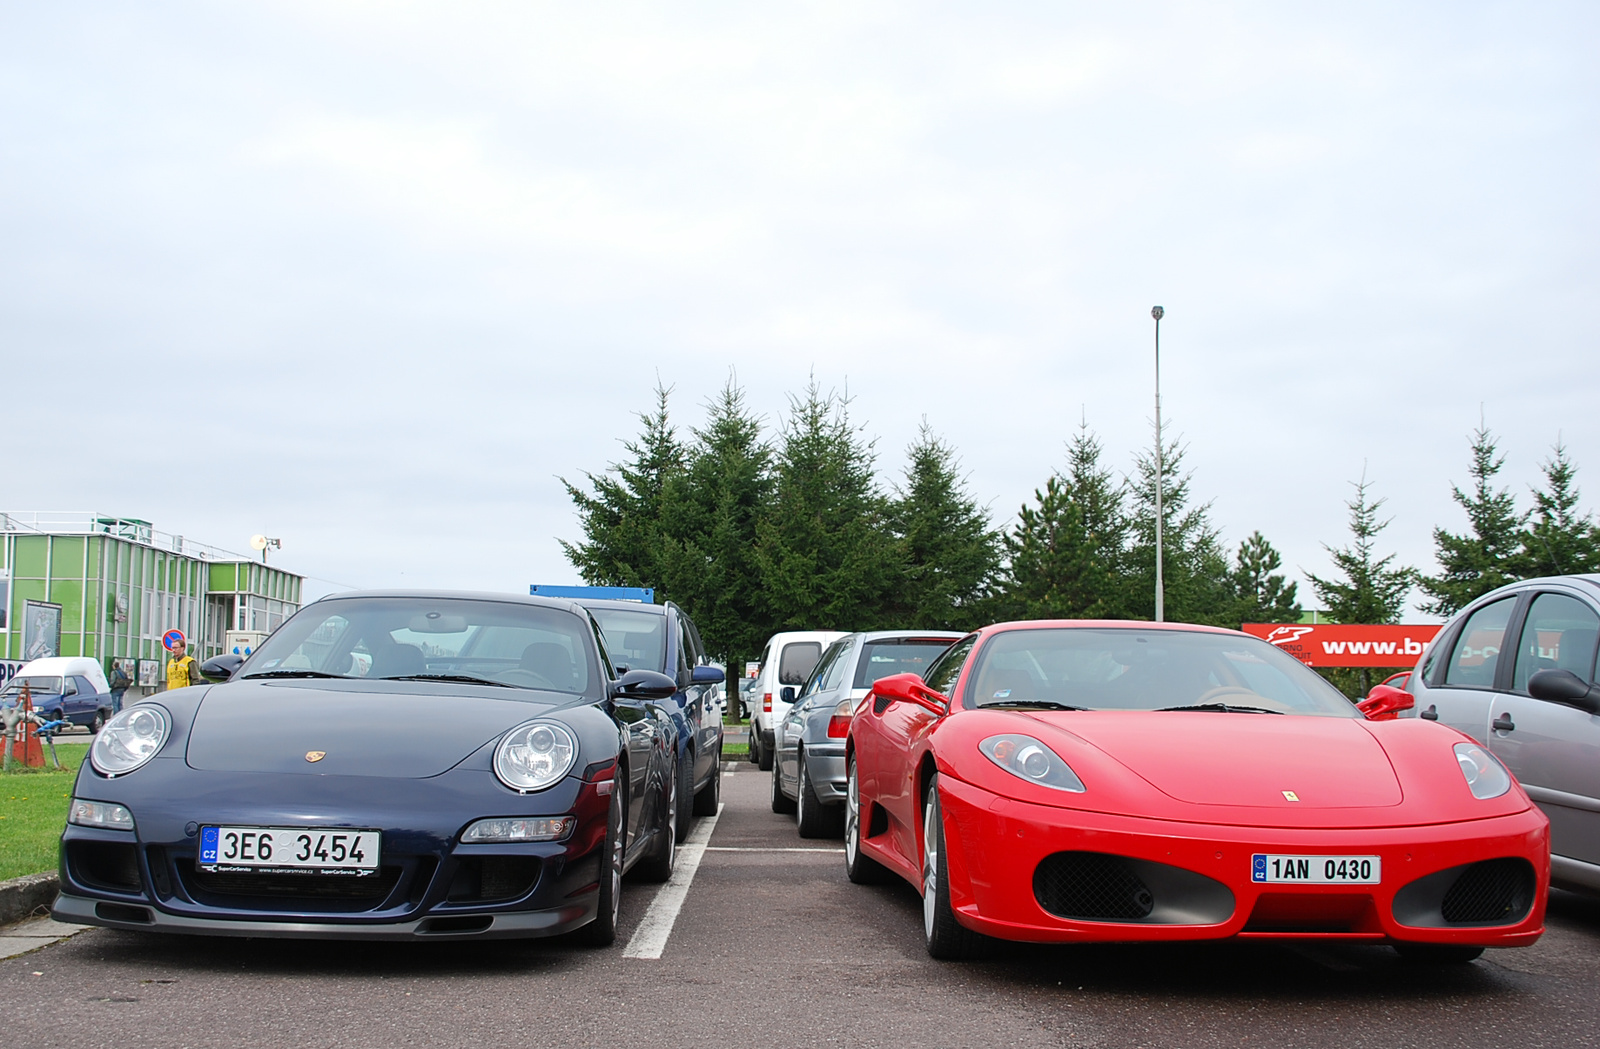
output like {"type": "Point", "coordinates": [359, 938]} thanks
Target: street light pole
{"type": "Point", "coordinates": [1157, 312]}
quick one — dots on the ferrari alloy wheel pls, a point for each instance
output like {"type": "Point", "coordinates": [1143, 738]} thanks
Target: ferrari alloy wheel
{"type": "Point", "coordinates": [684, 819]}
{"type": "Point", "coordinates": [780, 801]}
{"type": "Point", "coordinates": [658, 865]}
{"type": "Point", "coordinates": [857, 867]}
{"type": "Point", "coordinates": [602, 932]}
{"type": "Point", "coordinates": [1437, 953]}
{"type": "Point", "coordinates": [709, 798]}
{"type": "Point", "coordinates": [947, 939]}
{"type": "Point", "coordinates": [814, 820]}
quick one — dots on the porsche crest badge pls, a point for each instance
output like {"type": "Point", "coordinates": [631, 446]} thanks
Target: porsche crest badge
{"type": "Point", "coordinates": [316, 755]}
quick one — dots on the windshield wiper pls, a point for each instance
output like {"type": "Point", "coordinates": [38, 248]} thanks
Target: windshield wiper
{"type": "Point", "coordinates": [467, 679]}
{"type": "Point", "coordinates": [292, 673]}
{"type": "Point", "coordinates": [1222, 707]}
{"type": "Point", "coordinates": [1019, 704]}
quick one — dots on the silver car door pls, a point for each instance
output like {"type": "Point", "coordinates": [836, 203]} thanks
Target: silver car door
{"type": "Point", "coordinates": [1462, 692]}
{"type": "Point", "coordinates": [1554, 749]}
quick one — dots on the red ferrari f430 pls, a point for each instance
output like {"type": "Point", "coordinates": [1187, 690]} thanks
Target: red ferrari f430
{"type": "Point", "coordinates": [1078, 781]}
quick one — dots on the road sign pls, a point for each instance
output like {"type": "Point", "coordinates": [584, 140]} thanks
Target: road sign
{"type": "Point", "coordinates": [173, 638]}
{"type": "Point", "coordinates": [643, 594]}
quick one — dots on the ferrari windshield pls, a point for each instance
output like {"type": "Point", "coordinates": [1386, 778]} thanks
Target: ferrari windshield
{"type": "Point", "coordinates": [420, 638]}
{"type": "Point", "coordinates": [1133, 669]}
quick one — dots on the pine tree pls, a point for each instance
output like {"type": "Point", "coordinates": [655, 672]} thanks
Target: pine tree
{"type": "Point", "coordinates": [1262, 595]}
{"type": "Point", "coordinates": [1195, 573]}
{"type": "Point", "coordinates": [1373, 590]}
{"type": "Point", "coordinates": [1066, 551]}
{"type": "Point", "coordinates": [710, 564]}
{"type": "Point", "coordinates": [1559, 540]}
{"type": "Point", "coordinates": [1490, 554]}
{"type": "Point", "coordinates": [827, 557]}
{"type": "Point", "coordinates": [631, 508]}
{"type": "Point", "coordinates": [949, 551]}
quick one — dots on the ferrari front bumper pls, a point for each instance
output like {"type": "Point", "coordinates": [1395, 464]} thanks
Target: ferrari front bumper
{"type": "Point", "coordinates": [1194, 881]}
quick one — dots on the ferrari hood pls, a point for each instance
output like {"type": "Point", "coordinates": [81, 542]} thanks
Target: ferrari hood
{"type": "Point", "coordinates": [1245, 760]}
{"type": "Point", "coordinates": [359, 730]}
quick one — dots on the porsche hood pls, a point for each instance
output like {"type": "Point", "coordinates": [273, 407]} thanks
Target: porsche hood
{"type": "Point", "coordinates": [360, 730]}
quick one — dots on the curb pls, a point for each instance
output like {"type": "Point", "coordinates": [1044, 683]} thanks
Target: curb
{"type": "Point", "coordinates": [20, 897]}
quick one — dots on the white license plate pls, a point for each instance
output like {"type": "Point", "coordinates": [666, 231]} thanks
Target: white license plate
{"type": "Point", "coordinates": [302, 850]}
{"type": "Point", "coordinates": [1316, 870]}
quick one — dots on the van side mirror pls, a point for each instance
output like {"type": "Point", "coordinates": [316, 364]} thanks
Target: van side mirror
{"type": "Point", "coordinates": [1385, 702]}
{"type": "Point", "coordinates": [787, 694]}
{"type": "Point", "coordinates": [1565, 687]}
{"type": "Point", "coordinates": [219, 669]}
{"type": "Point", "coordinates": [908, 688]}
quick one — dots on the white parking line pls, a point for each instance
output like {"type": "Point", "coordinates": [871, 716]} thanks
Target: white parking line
{"type": "Point", "coordinates": [650, 938]}
{"type": "Point", "coordinates": [772, 848]}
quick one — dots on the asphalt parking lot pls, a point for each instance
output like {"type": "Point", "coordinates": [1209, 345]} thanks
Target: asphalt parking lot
{"type": "Point", "coordinates": [773, 947]}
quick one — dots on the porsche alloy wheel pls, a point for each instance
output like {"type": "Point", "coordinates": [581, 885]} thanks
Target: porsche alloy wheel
{"type": "Point", "coordinates": [857, 867]}
{"type": "Point", "coordinates": [658, 866]}
{"type": "Point", "coordinates": [602, 932]}
{"type": "Point", "coordinates": [947, 939]}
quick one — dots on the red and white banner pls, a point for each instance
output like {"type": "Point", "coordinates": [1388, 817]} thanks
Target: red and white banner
{"type": "Point", "coordinates": [1341, 645]}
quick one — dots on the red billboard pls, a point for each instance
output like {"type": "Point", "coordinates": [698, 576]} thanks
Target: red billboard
{"type": "Point", "coordinates": [1340, 645]}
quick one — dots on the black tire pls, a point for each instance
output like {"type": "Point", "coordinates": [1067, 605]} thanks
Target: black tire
{"type": "Point", "coordinates": [811, 817]}
{"type": "Point", "coordinates": [857, 866]}
{"type": "Point", "coordinates": [781, 804]}
{"type": "Point", "coordinates": [752, 746]}
{"type": "Point", "coordinates": [98, 723]}
{"type": "Point", "coordinates": [947, 939]}
{"type": "Point", "coordinates": [1437, 953]}
{"type": "Point", "coordinates": [709, 797]}
{"type": "Point", "coordinates": [764, 759]}
{"type": "Point", "coordinates": [56, 715]}
{"type": "Point", "coordinates": [658, 865]}
{"type": "Point", "coordinates": [685, 816]}
{"type": "Point", "coordinates": [602, 932]}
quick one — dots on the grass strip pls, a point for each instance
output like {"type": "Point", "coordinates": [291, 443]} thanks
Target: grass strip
{"type": "Point", "coordinates": [33, 809]}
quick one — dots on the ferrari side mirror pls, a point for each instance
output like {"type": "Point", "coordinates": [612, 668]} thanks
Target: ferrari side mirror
{"type": "Point", "coordinates": [1385, 702]}
{"type": "Point", "coordinates": [908, 688]}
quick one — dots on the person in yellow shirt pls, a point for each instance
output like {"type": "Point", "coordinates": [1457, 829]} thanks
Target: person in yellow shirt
{"type": "Point", "coordinates": [182, 670]}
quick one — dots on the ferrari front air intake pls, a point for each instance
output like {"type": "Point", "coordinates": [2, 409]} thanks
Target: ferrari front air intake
{"type": "Point", "coordinates": [1497, 891]}
{"type": "Point", "coordinates": [1099, 887]}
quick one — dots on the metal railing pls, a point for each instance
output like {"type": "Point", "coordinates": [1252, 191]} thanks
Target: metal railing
{"type": "Point", "coordinates": [68, 522]}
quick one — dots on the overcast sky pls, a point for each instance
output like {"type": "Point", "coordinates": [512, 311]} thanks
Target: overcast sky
{"type": "Point", "coordinates": [370, 276]}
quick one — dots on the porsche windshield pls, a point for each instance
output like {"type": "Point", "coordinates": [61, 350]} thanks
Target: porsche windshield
{"type": "Point", "coordinates": [404, 638]}
{"type": "Point", "coordinates": [1132, 669]}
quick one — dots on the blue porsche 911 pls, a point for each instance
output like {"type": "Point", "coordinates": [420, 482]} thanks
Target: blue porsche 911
{"type": "Point", "coordinates": [385, 765]}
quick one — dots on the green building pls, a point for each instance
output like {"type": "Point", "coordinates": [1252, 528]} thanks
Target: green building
{"type": "Point", "coordinates": [110, 587]}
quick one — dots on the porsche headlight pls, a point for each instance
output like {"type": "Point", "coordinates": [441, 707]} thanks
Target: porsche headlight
{"type": "Point", "coordinates": [1026, 758]}
{"type": "Point", "coordinates": [1486, 777]}
{"type": "Point", "coordinates": [533, 756]}
{"type": "Point", "coordinates": [129, 740]}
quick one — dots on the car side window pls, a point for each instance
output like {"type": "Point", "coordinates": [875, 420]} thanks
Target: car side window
{"type": "Point", "coordinates": [600, 646]}
{"type": "Point", "coordinates": [840, 667]}
{"type": "Point", "coordinates": [824, 665]}
{"type": "Point", "coordinates": [942, 673]}
{"type": "Point", "coordinates": [1475, 656]}
{"type": "Point", "coordinates": [85, 688]}
{"type": "Point", "coordinates": [1560, 633]}
{"type": "Point", "coordinates": [68, 688]}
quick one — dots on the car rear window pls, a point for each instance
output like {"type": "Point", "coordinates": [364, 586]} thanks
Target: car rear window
{"type": "Point", "coordinates": [880, 659]}
{"type": "Point", "coordinates": [636, 639]}
{"type": "Point", "coordinates": [798, 660]}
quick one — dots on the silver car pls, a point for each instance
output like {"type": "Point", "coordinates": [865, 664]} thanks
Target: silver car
{"type": "Point", "coordinates": [808, 767]}
{"type": "Point", "coordinates": [1515, 670]}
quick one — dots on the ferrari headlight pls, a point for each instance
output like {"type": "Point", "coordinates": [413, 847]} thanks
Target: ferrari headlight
{"type": "Point", "coordinates": [533, 756]}
{"type": "Point", "coordinates": [1026, 758]}
{"type": "Point", "coordinates": [1486, 777]}
{"type": "Point", "coordinates": [129, 739]}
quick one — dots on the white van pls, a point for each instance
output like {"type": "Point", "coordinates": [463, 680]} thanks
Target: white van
{"type": "Point", "coordinates": [786, 663]}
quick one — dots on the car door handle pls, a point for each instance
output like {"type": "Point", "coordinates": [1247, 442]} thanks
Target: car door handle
{"type": "Point", "coordinates": [1503, 723]}
{"type": "Point", "coordinates": [1431, 714]}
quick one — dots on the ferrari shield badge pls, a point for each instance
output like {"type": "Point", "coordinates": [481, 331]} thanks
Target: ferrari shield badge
{"type": "Point", "coordinates": [316, 755]}
{"type": "Point", "coordinates": [1288, 795]}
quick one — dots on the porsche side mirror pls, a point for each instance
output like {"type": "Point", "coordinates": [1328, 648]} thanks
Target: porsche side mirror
{"type": "Point", "coordinates": [643, 684]}
{"type": "Point", "coordinates": [218, 669]}
{"type": "Point", "coordinates": [1385, 702]}
{"type": "Point", "coordinates": [708, 675]}
{"type": "Point", "coordinates": [909, 688]}
{"type": "Point", "coordinates": [1563, 686]}
{"type": "Point", "coordinates": [787, 694]}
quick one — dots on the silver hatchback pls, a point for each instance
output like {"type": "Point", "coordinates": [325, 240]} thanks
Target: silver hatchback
{"type": "Point", "coordinates": [808, 775]}
{"type": "Point", "coordinates": [1515, 670]}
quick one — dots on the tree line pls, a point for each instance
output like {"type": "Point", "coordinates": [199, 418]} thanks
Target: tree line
{"type": "Point", "coordinates": [753, 533]}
